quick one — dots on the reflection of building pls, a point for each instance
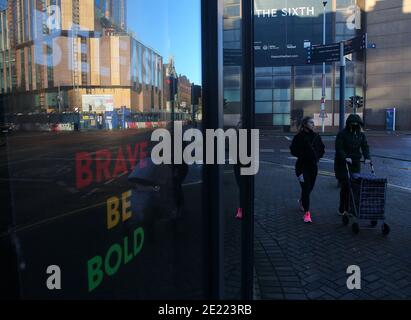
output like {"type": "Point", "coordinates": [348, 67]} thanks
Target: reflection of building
{"type": "Point", "coordinates": [67, 52]}
{"type": "Point", "coordinates": [114, 11]}
{"type": "Point", "coordinates": [284, 94]}
{"type": "Point", "coordinates": [389, 65]}
{"type": "Point", "coordinates": [184, 93]}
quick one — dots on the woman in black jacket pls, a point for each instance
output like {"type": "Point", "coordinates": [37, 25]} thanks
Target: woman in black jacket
{"type": "Point", "coordinates": [309, 148]}
{"type": "Point", "coordinates": [350, 146]}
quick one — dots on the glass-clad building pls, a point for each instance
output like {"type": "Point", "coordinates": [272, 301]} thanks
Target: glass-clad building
{"type": "Point", "coordinates": [286, 87]}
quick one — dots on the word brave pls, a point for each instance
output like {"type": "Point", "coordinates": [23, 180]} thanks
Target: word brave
{"type": "Point", "coordinates": [105, 165]}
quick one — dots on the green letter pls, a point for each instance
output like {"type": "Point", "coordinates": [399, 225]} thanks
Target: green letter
{"type": "Point", "coordinates": [113, 270]}
{"type": "Point", "coordinates": [127, 257]}
{"type": "Point", "coordinates": [95, 275]}
{"type": "Point", "coordinates": [138, 245]}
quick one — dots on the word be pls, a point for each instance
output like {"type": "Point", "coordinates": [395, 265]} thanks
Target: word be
{"type": "Point", "coordinates": [116, 255]}
{"type": "Point", "coordinates": [105, 165]}
{"type": "Point", "coordinates": [354, 280]}
{"type": "Point", "coordinates": [114, 205]}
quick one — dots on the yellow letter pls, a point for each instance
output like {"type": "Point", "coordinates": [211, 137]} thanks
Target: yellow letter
{"type": "Point", "coordinates": [126, 205]}
{"type": "Point", "coordinates": [113, 214]}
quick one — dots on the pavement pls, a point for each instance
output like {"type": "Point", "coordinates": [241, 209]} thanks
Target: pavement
{"type": "Point", "coordinates": [309, 262]}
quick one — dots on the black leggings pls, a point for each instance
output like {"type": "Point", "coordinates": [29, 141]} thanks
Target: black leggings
{"type": "Point", "coordinates": [344, 195]}
{"type": "Point", "coordinates": [310, 177]}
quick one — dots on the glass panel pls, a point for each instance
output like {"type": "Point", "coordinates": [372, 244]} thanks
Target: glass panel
{"type": "Point", "coordinates": [318, 92]}
{"type": "Point", "coordinates": [282, 107]}
{"type": "Point", "coordinates": [264, 107]}
{"type": "Point", "coordinates": [303, 94]}
{"type": "Point", "coordinates": [281, 119]}
{"type": "Point", "coordinates": [282, 94]}
{"type": "Point", "coordinates": [263, 82]}
{"type": "Point", "coordinates": [263, 95]}
{"type": "Point", "coordinates": [84, 96]}
{"type": "Point", "coordinates": [282, 82]}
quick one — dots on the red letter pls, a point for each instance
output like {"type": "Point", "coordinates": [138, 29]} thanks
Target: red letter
{"type": "Point", "coordinates": [103, 160]}
{"type": "Point", "coordinates": [121, 165]}
{"type": "Point", "coordinates": [84, 176]}
{"type": "Point", "coordinates": [143, 154]}
{"type": "Point", "coordinates": [132, 156]}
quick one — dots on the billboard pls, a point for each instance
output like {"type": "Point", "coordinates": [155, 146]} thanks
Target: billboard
{"type": "Point", "coordinates": [284, 29]}
{"type": "Point", "coordinates": [97, 103]}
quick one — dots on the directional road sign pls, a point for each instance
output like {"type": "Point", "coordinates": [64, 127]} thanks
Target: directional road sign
{"type": "Point", "coordinates": [355, 44]}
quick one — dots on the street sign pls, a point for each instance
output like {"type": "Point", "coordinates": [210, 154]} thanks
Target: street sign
{"type": "Point", "coordinates": [323, 53]}
{"type": "Point", "coordinates": [355, 44]}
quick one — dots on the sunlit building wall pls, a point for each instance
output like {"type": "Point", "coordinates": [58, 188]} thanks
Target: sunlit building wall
{"type": "Point", "coordinates": [57, 49]}
{"type": "Point", "coordinates": [389, 64]}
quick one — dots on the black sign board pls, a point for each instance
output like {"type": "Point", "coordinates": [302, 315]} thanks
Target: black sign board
{"type": "Point", "coordinates": [355, 44]}
{"type": "Point", "coordinates": [283, 29]}
{"type": "Point", "coordinates": [323, 53]}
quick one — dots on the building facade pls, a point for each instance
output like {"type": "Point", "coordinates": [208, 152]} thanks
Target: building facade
{"type": "Point", "coordinates": [288, 89]}
{"type": "Point", "coordinates": [57, 53]}
{"type": "Point", "coordinates": [389, 64]}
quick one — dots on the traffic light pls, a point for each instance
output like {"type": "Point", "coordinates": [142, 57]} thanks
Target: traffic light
{"type": "Point", "coordinates": [351, 102]}
{"type": "Point", "coordinates": [173, 87]}
{"type": "Point", "coordinates": [360, 102]}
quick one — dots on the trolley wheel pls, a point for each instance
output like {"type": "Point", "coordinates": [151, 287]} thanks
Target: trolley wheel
{"type": "Point", "coordinates": [356, 228]}
{"type": "Point", "coordinates": [374, 224]}
{"type": "Point", "coordinates": [345, 220]}
{"type": "Point", "coordinates": [386, 229]}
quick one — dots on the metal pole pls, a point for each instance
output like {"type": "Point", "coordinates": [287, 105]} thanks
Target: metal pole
{"type": "Point", "coordinates": [248, 111]}
{"type": "Point", "coordinates": [342, 86]}
{"type": "Point", "coordinates": [324, 82]}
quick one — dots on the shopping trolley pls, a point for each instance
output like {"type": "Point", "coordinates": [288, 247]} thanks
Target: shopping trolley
{"type": "Point", "coordinates": [367, 201]}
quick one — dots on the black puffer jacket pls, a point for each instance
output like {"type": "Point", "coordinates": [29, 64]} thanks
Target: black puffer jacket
{"type": "Point", "coordinates": [309, 148]}
{"type": "Point", "coordinates": [350, 143]}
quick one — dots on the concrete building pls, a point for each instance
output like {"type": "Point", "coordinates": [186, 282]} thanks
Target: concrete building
{"type": "Point", "coordinates": [57, 53]}
{"type": "Point", "coordinates": [286, 91]}
{"type": "Point", "coordinates": [389, 65]}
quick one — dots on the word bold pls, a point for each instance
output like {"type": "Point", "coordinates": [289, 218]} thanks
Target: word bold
{"type": "Point", "coordinates": [117, 255]}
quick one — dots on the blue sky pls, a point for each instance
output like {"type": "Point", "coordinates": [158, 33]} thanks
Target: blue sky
{"type": "Point", "coordinates": [171, 27]}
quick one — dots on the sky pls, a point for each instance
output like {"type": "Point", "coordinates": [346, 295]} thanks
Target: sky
{"type": "Point", "coordinates": [170, 27]}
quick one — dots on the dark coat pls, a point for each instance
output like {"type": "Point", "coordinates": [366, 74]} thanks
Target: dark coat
{"type": "Point", "coordinates": [309, 148]}
{"type": "Point", "coordinates": [352, 144]}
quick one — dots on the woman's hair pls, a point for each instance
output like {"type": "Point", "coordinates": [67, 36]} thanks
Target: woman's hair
{"type": "Point", "coordinates": [304, 122]}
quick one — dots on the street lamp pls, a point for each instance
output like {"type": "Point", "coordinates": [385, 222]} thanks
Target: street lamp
{"type": "Point", "coordinates": [324, 83]}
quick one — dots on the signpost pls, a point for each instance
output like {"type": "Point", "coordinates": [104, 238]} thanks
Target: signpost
{"type": "Point", "coordinates": [323, 53]}
{"type": "Point", "coordinates": [335, 52]}
{"type": "Point", "coordinates": [355, 44]}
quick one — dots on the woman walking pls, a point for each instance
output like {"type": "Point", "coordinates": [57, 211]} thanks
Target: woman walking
{"type": "Point", "coordinates": [309, 148]}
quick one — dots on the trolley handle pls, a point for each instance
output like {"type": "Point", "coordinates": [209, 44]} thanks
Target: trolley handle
{"type": "Point", "coordinates": [371, 166]}
{"type": "Point", "coordinates": [362, 161]}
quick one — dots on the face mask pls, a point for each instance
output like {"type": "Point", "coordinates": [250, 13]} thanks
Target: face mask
{"type": "Point", "coordinates": [356, 127]}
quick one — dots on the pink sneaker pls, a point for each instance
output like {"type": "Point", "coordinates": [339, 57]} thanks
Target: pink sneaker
{"type": "Point", "coordinates": [239, 214]}
{"type": "Point", "coordinates": [307, 218]}
{"type": "Point", "coordinates": [300, 205]}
